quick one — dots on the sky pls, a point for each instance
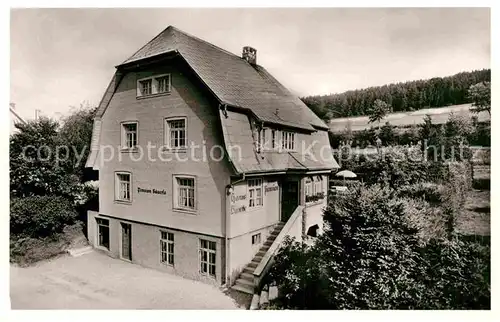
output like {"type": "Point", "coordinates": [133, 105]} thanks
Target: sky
{"type": "Point", "coordinates": [61, 58]}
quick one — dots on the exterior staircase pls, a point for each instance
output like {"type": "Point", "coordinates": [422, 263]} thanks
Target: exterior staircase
{"type": "Point", "coordinates": [245, 282]}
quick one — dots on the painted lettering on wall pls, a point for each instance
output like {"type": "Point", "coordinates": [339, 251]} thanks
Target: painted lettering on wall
{"type": "Point", "coordinates": [238, 203]}
{"type": "Point", "coordinates": [271, 186]}
{"type": "Point", "coordinates": [238, 198]}
{"type": "Point", "coordinates": [152, 191]}
{"type": "Point", "coordinates": [237, 209]}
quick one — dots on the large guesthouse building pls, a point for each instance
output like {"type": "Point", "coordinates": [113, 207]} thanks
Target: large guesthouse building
{"type": "Point", "coordinates": [205, 163]}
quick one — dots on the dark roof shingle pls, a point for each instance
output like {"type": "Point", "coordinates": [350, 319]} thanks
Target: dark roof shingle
{"type": "Point", "coordinates": [233, 80]}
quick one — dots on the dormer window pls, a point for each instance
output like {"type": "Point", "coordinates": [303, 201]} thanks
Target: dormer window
{"type": "Point", "coordinates": [153, 85]}
{"type": "Point", "coordinates": [287, 141]}
{"type": "Point", "coordinates": [270, 139]}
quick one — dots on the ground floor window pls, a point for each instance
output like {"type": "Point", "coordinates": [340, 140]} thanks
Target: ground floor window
{"type": "Point", "coordinates": [255, 198]}
{"type": "Point", "coordinates": [207, 257]}
{"type": "Point", "coordinates": [167, 248]}
{"type": "Point", "coordinates": [314, 189]}
{"type": "Point", "coordinates": [103, 232]}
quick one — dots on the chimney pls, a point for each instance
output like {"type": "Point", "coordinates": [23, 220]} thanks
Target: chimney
{"type": "Point", "coordinates": [250, 55]}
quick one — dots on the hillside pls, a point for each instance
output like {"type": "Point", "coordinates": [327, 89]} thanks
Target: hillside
{"type": "Point", "coordinates": [404, 119]}
{"type": "Point", "coordinates": [403, 97]}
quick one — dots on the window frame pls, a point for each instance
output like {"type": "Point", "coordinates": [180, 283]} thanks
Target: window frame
{"type": "Point", "coordinates": [176, 192]}
{"type": "Point", "coordinates": [254, 188]}
{"type": "Point", "coordinates": [117, 186]}
{"type": "Point", "coordinates": [288, 139]}
{"type": "Point", "coordinates": [313, 195]}
{"type": "Point", "coordinates": [123, 135]}
{"type": "Point", "coordinates": [98, 235]}
{"type": "Point", "coordinates": [167, 252]}
{"type": "Point", "coordinates": [257, 240]}
{"type": "Point", "coordinates": [209, 251]}
{"type": "Point", "coordinates": [157, 83]}
{"type": "Point", "coordinates": [166, 133]}
{"type": "Point", "coordinates": [154, 85]}
{"type": "Point", "coordinates": [318, 182]}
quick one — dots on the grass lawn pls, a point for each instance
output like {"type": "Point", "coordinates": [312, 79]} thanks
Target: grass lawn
{"type": "Point", "coordinates": [475, 218]}
{"type": "Point", "coordinates": [25, 251]}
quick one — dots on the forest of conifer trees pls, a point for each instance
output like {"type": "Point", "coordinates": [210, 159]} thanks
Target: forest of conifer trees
{"type": "Point", "coordinates": [403, 97]}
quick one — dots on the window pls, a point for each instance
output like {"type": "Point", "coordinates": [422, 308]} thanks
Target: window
{"type": "Point", "coordinates": [314, 189]}
{"type": "Point", "coordinates": [176, 133]}
{"type": "Point", "coordinates": [318, 185]}
{"type": "Point", "coordinates": [167, 248]}
{"type": "Point", "coordinates": [256, 239]}
{"type": "Point", "coordinates": [122, 186]}
{"type": "Point", "coordinates": [146, 87]}
{"type": "Point", "coordinates": [273, 139]}
{"type": "Point", "coordinates": [153, 85]}
{"type": "Point", "coordinates": [184, 193]}
{"type": "Point", "coordinates": [255, 193]}
{"type": "Point", "coordinates": [287, 141]}
{"type": "Point", "coordinates": [163, 84]}
{"type": "Point", "coordinates": [103, 232]}
{"type": "Point", "coordinates": [308, 184]}
{"type": "Point", "coordinates": [129, 135]}
{"type": "Point", "coordinates": [207, 257]}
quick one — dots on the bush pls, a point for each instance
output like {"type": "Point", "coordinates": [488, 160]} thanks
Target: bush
{"type": "Point", "coordinates": [371, 256]}
{"type": "Point", "coordinates": [40, 216]}
{"type": "Point", "coordinates": [430, 192]}
{"type": "Point", "coordinates": [458, 273]}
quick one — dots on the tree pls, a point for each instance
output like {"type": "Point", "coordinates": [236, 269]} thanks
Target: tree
{"type": "Point", "coordinates": [480, 94]}
{"type": "Point", "coordinates": [37, 165]}
{"type": "Point", "coordinates": [371, 256]}
{"type": "Point", "coordinates": [387, 134]}
{"type": "Point", "coordinates": [418, 94]}
{"type": "Point", "coordinates": [379, 110]}
{"type": "Point", "coordinates": [76, 134]}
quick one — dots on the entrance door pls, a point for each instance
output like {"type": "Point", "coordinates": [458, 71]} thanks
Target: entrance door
{"type": "Point", "coordinates": [289, 199]}
{"type": "Point", "coordinates": [126, 241]}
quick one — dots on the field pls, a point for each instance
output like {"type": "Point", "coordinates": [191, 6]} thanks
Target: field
{"type": "Point", "coordinates": [438, 115]}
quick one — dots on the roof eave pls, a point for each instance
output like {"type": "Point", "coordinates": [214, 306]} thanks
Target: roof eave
{"type": "Point", "coordinates": [148, 60]}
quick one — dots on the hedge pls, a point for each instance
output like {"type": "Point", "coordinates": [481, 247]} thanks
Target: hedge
{"type": "Point", "coordinates": [40, 216]}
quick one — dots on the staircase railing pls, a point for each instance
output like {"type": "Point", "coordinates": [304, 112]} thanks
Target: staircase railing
{"type": "Point", "coordinates": [293, 228]}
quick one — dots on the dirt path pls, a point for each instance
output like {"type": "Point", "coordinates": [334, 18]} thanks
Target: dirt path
{"type": "Point", "coordinates": [95, 281]}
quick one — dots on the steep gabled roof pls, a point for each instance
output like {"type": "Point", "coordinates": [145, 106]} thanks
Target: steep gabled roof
{"type": "Point", "coordinates": [232, 79]}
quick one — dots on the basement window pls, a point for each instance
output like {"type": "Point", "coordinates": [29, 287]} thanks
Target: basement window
{"type": "Point", "coordinates": [208, 253]}
{"type": "Point", "coordinates": [103, 232]}
{"type": "Point", "coordinates": [167, 248]}
{"type": "Point", "coordinates": [256, 239]}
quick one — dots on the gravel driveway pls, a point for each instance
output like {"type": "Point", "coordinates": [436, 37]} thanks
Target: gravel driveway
{"type": "Point", "coordinates": [96, 281]}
